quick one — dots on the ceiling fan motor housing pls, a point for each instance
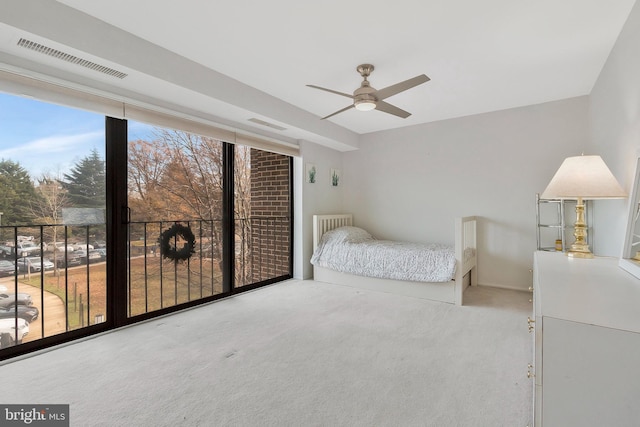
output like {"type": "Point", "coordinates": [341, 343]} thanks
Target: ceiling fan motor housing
{"type": "Point", "coordinates": [363, 98]}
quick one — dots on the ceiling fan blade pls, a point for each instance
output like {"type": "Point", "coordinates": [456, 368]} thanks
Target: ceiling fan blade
{"type": "Point", "coordinates": [391, 109]}
{"type": "Point", "coordinates": [401, 87]}
{"type": "Point", "coordinates": [338, 112]}
{"type": "Point", "coordinates": [332, 91]}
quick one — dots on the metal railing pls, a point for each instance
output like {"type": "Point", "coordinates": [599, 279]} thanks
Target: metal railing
{"type": "Point", "coordinates": [157, 282]}
{"type": "Point", "coordinates": [262, 251]}
{"type": "Point", "coordinates": [265, 249]}
{"type": "Point", "coordinates": [48, 286]}
{"type": "Point", "coordinates": [54, 269]}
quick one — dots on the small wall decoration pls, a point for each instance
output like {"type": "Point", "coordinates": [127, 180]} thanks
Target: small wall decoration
{"type": "Point", "coordinates": [311, 173]}
{"type": "Point", "coordinates": [335, 177]}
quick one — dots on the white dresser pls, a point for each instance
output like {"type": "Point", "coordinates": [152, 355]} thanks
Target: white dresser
{"type": "Point", "coordinates": [586, 362]}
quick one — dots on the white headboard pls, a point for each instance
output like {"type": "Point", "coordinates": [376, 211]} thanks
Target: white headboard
{"type": "Point", "coordinates": [324, 223]}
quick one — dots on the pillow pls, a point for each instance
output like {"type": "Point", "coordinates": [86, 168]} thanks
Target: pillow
{"type": "Point", "coordinates": [348, 234]}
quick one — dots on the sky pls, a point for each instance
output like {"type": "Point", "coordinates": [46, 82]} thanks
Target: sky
{"type": "Point", "coordinates": [49, 139]}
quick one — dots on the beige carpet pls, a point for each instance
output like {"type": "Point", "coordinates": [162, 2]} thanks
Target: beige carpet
{"type": "Point", "coordinates": [297, 353]}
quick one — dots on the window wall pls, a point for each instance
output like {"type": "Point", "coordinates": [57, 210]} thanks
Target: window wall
{"type": "Point", "coordinates": [52, 220]}
{"type": "Point", "coordinates": [176, 180]}
{"type": "Point", "coordinates": [105, 221]}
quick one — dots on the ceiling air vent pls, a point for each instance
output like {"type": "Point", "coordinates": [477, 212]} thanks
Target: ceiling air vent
{"type": "Point", "coordinates": [267, 124]}
{"type": "Point", "coordinates": [55, 53]}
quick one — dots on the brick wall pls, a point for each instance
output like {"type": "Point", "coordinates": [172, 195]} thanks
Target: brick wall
{"type": "Point", "coordinates": [270, 215]}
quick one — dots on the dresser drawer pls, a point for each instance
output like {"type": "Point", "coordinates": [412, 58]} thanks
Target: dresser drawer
{"type": "Point", "coordinates": [591, 377]}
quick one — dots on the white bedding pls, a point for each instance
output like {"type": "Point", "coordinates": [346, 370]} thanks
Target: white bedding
{"type": "Point", "coordinates": [353, 250]}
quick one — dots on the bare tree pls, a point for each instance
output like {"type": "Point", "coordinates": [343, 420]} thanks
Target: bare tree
{"type": "Point", "coordinates": [179, 176]}
{"type": "Point", "coordinates": [242, 212]}
{"type": "Point", "coordinates": [148, 161]}
{"type": "Point", "coordinates": [194, 175]}
{"type": "Point", "coordinates": [47, 208]}
{"type": "Point", "coordinates": [193, 181]}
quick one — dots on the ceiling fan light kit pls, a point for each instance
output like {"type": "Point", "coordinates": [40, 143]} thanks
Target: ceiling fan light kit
{"type": "Point", "coordinates": [365, 104]}
{"type": "Point", "coordinates": [367, 98]}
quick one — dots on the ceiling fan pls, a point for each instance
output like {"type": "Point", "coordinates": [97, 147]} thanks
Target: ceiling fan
{"type": "Point", "coordinates": [367, 98]}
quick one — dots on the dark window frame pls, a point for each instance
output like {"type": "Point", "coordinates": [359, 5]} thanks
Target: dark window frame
{"type": "Point", "coordinates": [117, 218]}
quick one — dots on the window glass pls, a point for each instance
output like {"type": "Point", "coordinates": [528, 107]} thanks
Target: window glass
{"type": "Point", "coordinates": [262, 215]}
{"type": "Point", "coordinates": [175, 234]}
{"type": "Point", "coordinates": [52, 219]}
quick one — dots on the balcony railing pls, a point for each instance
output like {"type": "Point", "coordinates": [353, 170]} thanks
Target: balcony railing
{"type": "Point", "coordinates": [51, 280]}
{"type": "Point", "coordinates": [262, 251]}
{"type": "Point", "coordinates": [156, 282]}
{"type": "Point", "coordinates": [59, 272]}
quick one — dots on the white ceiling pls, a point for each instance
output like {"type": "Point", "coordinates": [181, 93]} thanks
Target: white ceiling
{"type": "Point", "coordinates": [242, 59]}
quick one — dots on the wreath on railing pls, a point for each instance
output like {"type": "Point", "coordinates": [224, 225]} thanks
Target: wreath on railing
{"type": "Point", "coordinates": [168, 248]}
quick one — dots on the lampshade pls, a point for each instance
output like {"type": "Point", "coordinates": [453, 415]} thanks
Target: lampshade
{"type": "Point", "coordinates": [586, 177]}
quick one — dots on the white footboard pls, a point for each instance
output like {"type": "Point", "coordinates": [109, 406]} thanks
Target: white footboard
{"type": "Point", "coordinates": [466, 255]}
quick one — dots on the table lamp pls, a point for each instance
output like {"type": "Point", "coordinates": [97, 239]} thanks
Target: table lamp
{"type": "Point", "coordinates": [583, 178]}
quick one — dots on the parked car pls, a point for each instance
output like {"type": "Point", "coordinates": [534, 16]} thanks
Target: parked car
{"type": "Point", "coordinates": [8, 331]}
{"type": "Point", "coordinates": [7, 268]}
{"type": "Point", "coordinates": [59, 247]}
{"type": "Point", "coordinates": [72, 260]}
{"type": "Point", "coordinates": [81, 246]}
{"type": "Point", "coordinates": [95, 256]}
{"type": "Point", "coordinates": [33, 264]}
{"type": "Point", "coordinates": [102, 252]}
{"type": "Point", "coordinates": [10, 299]}
{"type": "Point", "coordinates": [92, 256]}
{"type": "Point", "coordinates": [26, 312]}
{"type": "Point", "coordinates": [27, 249]}
{"type": "Point", "coordinates": [7, 251]}
{"type": "Point", "coordinates": [5, 340]}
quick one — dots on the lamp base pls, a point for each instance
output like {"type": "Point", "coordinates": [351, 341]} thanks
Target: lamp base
{"type": "Point", "coordinates": [579, 254]}
{"type": "Point", "coordinates": [580, 248]}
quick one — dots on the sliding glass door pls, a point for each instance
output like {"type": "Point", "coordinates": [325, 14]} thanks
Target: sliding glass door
{"type": "Point", "coordinates": [105, 222]}
{"type": "Point", "coordinates": [175, 189]}
{"type": "Point", "coordinates": [52, 220]}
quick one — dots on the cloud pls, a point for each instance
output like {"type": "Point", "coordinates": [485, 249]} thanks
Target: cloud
{"type": "Point", "coordinates": [55, 154]}
{"type": "Point", "coordinates": [52, 145]}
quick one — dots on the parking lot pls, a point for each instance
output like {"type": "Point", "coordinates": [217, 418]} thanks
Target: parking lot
{"type": "Point", "coordinates": [54, 313]}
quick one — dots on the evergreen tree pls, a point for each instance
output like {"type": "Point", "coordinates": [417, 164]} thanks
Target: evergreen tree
{"type": "Point", "coordinates": [85, 182]}
{"type": "Point", "coordinates": [16, 194]}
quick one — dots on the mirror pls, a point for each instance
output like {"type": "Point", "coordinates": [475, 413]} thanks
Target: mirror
{"type": "Point", "coordinates": [630, 260]}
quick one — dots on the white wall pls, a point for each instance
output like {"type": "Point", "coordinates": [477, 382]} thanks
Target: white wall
{"type": "Point", "coordinates": [614, 117]}
{"type": "Point", "coordinates": [318, 198]}
{"type": "Point", "coordinates": [409, 183]}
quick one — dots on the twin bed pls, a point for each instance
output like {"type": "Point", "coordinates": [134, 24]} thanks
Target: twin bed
{"type": "Point", "coordinates": [348, 255]}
